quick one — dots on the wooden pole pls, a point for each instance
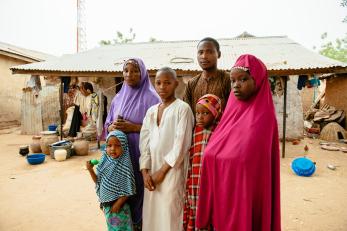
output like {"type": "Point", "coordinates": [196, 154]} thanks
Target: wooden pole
{"type": "Point", "coordinates": [61, 107]}
{"type": "Point", "coordinates": [284, 117]}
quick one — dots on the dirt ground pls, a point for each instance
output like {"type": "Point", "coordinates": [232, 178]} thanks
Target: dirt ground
{"type": "Point", "coordinates": [60, 195]}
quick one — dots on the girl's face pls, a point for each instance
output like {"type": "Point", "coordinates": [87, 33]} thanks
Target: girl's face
{"type": "Point", "coordinates": [242, 84]}
{"type": "Point", "coordinates": [165, 85]}
{"type": "Point", "coordinates": [114, 147]}
{"type": "Point", "coordinates": [204, 118]}
{"type": "Point", "coordinates": [131, 74]}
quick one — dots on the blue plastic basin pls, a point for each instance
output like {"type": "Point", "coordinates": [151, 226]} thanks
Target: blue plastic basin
{"type": "Point", "coordinates": [52, 127]}
{"type": "Point", "coordinates": [303, 166]}
{"type": "Point", "coordinates": [36, 158]}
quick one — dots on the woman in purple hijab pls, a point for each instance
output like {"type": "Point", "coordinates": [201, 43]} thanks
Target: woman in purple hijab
{"type": "Point", "coordinates": [128, 108]}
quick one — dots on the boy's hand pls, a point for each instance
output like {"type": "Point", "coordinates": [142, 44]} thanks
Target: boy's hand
{"type": "Point", "coordinates": [158, 177]}
{"type": "Point", "coordinates": [89, 165]}
{"type": "Point", "coordinates": [147, 180]}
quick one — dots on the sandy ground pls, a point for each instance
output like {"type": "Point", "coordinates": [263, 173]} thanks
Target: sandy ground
{"type": "Point", "coordinates": [60, 195]}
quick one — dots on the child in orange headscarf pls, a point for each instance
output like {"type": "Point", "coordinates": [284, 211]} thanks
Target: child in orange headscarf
{"type": "Point", "coordinates": [207, 114]}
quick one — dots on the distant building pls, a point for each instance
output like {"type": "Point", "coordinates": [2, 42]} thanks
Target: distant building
{"type": "Point", "coordinates": [10, 87]}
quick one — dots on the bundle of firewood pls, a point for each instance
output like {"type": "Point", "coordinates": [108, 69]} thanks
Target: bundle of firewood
{"type": "Point", "coordinates": [325, 115]}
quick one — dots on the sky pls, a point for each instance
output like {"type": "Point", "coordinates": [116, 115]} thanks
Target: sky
{"type": "Point", "coordinates": [50, 25]}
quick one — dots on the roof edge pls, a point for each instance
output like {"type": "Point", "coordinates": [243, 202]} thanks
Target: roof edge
{"type": "Point", "coordinates": [283, 72]}
{"type": "Point", "coordinates": [15, 55]}
{"type": "Point", "coordinates": [194, 40]}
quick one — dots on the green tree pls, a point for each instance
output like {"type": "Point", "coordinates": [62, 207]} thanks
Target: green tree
{"type": "Point", "coordinates": [337, 50]}
{"type": "Point", "coordinates": [344, 4]}
{"type": "Point", "coordinates": [151, 40]}
{"type": "Point", "coordinates": [120, 38]}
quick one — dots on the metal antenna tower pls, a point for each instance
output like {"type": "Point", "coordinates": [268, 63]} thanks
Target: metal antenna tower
{"type": "Point", "coordinates": [81, 26]}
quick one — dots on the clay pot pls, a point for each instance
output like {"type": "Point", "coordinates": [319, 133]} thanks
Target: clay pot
{"type": "Point", "coordinates": [48, 137]}
{"type": "Point", "coordinates": [81, 147]}
{"type": "Point", "coordinates": [24, 150]}
{"type": "Point", "coordinates": [35, 146]}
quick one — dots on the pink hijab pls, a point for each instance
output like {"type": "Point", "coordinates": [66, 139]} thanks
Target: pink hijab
{"type": "Point", "coordinates": [240, 178]}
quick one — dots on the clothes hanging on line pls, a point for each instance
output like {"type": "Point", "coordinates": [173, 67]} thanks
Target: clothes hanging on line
{"type": "Point", "coordinates": [75, 122]}
{"type": "Point", "coordinates": [302, 81]}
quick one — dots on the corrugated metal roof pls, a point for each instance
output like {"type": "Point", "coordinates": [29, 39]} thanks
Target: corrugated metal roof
{"type": "Point", "coordinates": [25, 53]}
{"type": "Point", "coordinates": [278, 53]}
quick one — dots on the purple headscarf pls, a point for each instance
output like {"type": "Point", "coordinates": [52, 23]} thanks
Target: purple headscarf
{"type": "Point", "coordinates": [132, 104]}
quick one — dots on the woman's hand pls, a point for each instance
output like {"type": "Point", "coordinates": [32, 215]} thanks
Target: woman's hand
{"type": "Point", "coordinates": [111, 127]}
{"type": "Point", "coordinates": [147, 180]}
{"type": "Point", "coordinates": [126, 126]}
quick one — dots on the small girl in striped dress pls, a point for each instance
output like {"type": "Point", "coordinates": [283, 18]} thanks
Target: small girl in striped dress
{"type": "Point", "coordinates": [114, 182]}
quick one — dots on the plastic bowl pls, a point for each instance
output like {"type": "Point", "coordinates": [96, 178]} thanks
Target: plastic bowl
{"type": "Point", "coordinates": [52, 127]}
{"type": "Point", "coordinates": [303, 166]}
{"type": "Point", "coordinates": [36, 158]}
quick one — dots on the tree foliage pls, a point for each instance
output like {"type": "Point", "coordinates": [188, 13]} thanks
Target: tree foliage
{"type": "Point", "coordinates": [151, 40]}
{"type": "Point", "coordinates": [337, 50]}
{"type": "Point", "coordinates": [344, 4]}
{"type": "Point", "coordinates": [120, 38]}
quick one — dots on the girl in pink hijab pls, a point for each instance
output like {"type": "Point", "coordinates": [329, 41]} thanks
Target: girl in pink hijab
{"type": "Point", "coordinates": [240, 178]}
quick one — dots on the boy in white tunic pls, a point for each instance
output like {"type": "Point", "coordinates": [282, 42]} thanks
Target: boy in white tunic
{"type": "Point", "coordinates": [165, 139]}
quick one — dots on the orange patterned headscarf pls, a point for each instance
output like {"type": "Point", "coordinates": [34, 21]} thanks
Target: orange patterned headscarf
{"type": "Point", "coordinates": [213, 103]}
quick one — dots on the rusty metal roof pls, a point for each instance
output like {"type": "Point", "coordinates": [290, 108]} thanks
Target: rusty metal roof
{"type": "Point", "coordinates": [22, 53]}
{"type": "Point", "coordinates": [277, 52]}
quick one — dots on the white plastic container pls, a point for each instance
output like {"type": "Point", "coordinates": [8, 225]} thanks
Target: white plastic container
{"type": "Point", "coordinates": [60, 154]}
